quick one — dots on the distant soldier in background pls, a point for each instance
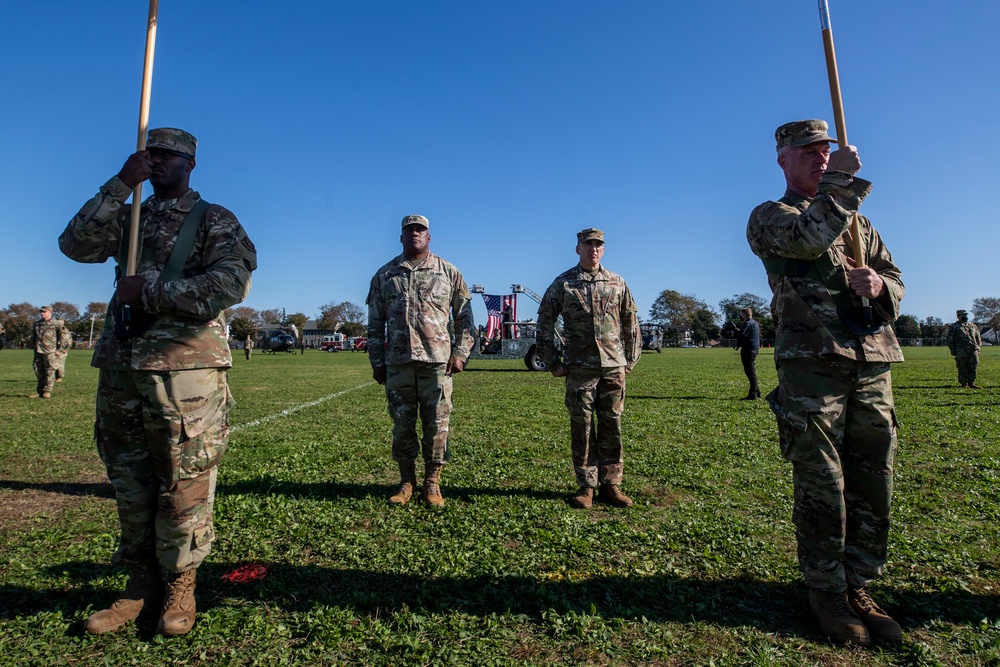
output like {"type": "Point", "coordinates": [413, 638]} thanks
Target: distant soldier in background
{"type": "Point", "coordinates": [65, 342]}
{"type": "Point", "coordinates": [48, 347]}
{"type": "Point", "coordinates": [748, 340]}
{"type": "Point", "coordinates": [602, 346]}
{"type": "Point", "coordinates": [412, 352]}
{"type": "Point", "coordinates": [3, 336]}
{"type": "Point", "coordinates": [163, 399]}
{"type": "Point", "coordinates": [964, 342]}
{"type": "Point", "coordinates": [248, 347]}
{"type": "Point", "coordinates": [834, 406]}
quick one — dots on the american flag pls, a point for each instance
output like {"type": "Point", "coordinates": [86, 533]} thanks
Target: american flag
{"type": "Point", "coordinates": [494, 310]}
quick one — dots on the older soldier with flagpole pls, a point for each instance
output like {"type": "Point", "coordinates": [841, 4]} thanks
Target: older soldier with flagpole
{"type": "Point", "coordinates": [836, 287]}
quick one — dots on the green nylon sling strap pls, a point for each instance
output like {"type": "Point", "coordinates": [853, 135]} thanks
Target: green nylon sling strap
{"type": "Point", "coordinates": [184, 243]}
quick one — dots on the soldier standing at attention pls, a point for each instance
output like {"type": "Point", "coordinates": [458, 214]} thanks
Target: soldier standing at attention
{"type": "Point", "coordinates": [48, 346]}
{"type": "Point", "coordinates": [601, 347]}
{"type": "Point", "coordinates": [162, 397]}
{"type": "Point", "coordinates": [834, 405]}
{"type": "Point", "coordinates": [65, 343]}
{"type": "Point", "coordinates": [412, 352]}
{"type": "Point", "coordinates": [248, 347]}
{"type": "Point", "coordinates": [748, 338]}
{"type": "Point", "coordinates": [964, 342]}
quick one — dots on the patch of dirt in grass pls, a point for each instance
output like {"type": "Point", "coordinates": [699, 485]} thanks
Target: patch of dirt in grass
{"type": "Point", "coordinates": [664, 496]}
{"type": "Point", "coordinates": [20, 503]}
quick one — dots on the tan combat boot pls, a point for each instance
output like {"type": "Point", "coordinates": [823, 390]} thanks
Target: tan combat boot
{"type": "Point", "coordinates": [178, 604]}
{"type": "Point", "coordinates": [584, 498]}
{"type": "Point", "coordinates": [837, 619]}
{"type": "Point", "coordinates": [874, 617]}
{"type": "Point", "coordinates": [610, 494]}
{"type": "Point", "coordinates": [432, 484]}
{"type": "Point", "coordinates": [408, 482]}
{"type": "Point", "coordinates": [46, 394]}
{"type": "Point", "coordinates": [143, 589]}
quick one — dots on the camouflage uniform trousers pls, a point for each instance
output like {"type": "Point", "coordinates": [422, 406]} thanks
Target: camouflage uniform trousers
{"type": "Point", "coordinates": [161, 435]}
{"type": "Point", "coordinates": [837, 426]}
{"type": "Point", "coordinates": [59, 364]}
{"type": "Point", "coordinates": [45, 371]}
{"type": "Point", "coordinates": [419, 387]}
{"type": "Point", "coordinates": [595, 398]}
{"type": "Point", "coordinates": [967, 360]}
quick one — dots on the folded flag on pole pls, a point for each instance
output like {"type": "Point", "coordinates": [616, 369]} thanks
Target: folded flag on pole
{"type": "Point", "coordinates": [495, 307]}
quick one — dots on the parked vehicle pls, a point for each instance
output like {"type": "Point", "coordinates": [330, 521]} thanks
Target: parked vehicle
{"type": "Point", "coordinates": [652, 339]}
{"type": "Point", "coordinates": [333, 343]}
{"type": "Point", "coordinates": [281, 343]}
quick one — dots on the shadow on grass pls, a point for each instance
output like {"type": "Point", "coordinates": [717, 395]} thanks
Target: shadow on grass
{"type": "Point", "coordinates": [98, 490]}
{"type": "Point", "coordinates": [479, 369]}
{"type": "Point", "coordinates": [771, 607]}
{"type": "Point", "coordinates": [332, 490]}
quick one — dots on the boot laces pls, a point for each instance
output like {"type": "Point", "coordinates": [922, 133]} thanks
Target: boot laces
{"type": "Point", "coordinates": [865, 601]}
{"type": "Point", "coordinates": [178, 589]}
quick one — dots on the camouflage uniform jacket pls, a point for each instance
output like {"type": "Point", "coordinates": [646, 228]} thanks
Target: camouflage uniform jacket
{"type": "Point", "coordinates": [65, 336]}
{"type": "Point", "coordinates": [963, 336]}
{"type": "Point", "coordinates": [600, 325]}
{"type": "Point", "coordinates": [189, 328]}
{"type": "Point", "coordinates": [805, 311]}
{"type": "Point", "coordinates": [409, 306]}
{"type": "Point", "coordinates": [46, 337]}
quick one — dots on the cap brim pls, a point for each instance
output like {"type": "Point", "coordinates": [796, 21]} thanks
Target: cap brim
{"type": "Point", "coordinates": [814, 139]}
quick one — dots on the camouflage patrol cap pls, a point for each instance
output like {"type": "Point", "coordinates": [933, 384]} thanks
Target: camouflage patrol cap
{"type": "Point", "coordinates": [45, 309]}
{"type": "Point", "coordinates": [415, 220]}
{"type": "Point", "coordinates": [172, 139]}
{"type": "Point", "coordinates": [590, 234]}
{"type": "Point", "coordinates": [802, 133]}
{"type": "Point", "coordinates": [961, 312]}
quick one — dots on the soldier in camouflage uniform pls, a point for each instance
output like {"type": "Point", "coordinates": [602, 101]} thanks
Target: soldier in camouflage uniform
{"type": "Point", "coordinates": [162, 396]}
{"type": "Point", "coordinates": [964, 342]}
{"type": "Point", "coordinates": [65, 342]}
{"type": "Point", "coordinates": [248, 347]}
{"type": "Point", "coordinates": [414, 355]}
{"type": "Point", "coordinates": [602, 345]}
{"type": "Point", "coordinates": [49, 348]}
{"type": "Point", "coordinates": [834, 406]}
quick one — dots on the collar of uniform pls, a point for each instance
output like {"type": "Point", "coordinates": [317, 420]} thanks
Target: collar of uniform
{"type": "Point", "coordinates": [592, 275]}
{"type": "Point", "coordinates": [184, 203]}
{"type": "Point", "coordinates": [795, 197]}
{"type": "Point", "coordinates": [401, 261]}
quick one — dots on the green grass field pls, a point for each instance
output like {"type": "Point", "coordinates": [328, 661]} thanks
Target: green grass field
{"type": "Point", "coordinates": [700, 572]}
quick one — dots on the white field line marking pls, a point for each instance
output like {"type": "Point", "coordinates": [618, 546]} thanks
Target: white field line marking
{"type": "Point", "coordinates": [293, 410]}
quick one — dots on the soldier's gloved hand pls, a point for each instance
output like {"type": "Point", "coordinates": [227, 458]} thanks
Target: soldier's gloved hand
{"type": "Point", "coordinates": [130, 290]}
{"type": "Point", "coordinates": [379, 375]}
{"type": "Point", "coordinates": [136, 169]}
{"type": "Point", "coordinates": [845, 159]}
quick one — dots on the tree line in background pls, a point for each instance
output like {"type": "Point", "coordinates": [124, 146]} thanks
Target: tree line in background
{"type": "Point", "coordinates": [18, 319]}
{"type": "Point", "coordinates": [675, 313]}
{"type": "Point", "coordinates": [672, 312]}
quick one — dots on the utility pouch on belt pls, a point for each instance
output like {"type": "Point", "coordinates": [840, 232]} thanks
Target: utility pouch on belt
{"type": "Point", "coordinates": [132, 321]}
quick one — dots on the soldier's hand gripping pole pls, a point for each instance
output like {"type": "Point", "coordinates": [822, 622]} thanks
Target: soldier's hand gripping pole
{"type": "Point", "coordinates": [147, 83]}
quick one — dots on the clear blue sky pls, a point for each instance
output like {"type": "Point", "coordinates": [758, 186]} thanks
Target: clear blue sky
{"type": "Point", "coordinates": [511, 125]}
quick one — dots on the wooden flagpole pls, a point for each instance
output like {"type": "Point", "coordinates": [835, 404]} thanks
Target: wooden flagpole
{"type": "Point", "coordinates": [147, 84]}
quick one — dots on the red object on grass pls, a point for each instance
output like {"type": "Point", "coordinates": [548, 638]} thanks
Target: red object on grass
{"type": "Point", "coordinates": [244, 574]}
